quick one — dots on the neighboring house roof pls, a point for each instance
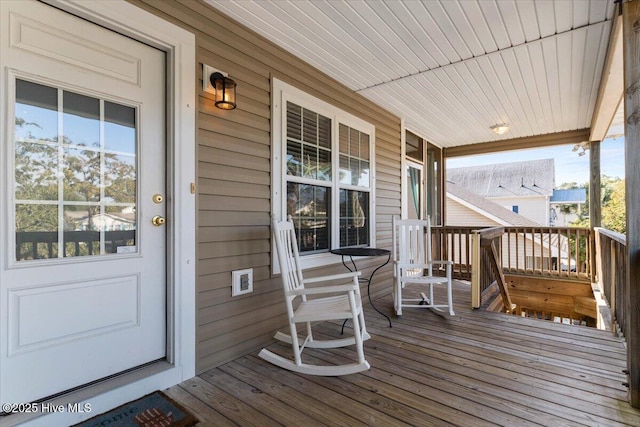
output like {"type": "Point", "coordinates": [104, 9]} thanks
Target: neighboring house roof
{"type": "Point", "coordinates": [488, 208]}
{"type": "Point", "coordinates": [575, 195]}
{"type": "Point", "coordinates": [530, 178]}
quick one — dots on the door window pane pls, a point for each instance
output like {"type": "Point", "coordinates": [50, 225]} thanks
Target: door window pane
{"type": "Point", "coordinates": [81, 120]}
{"type": "Point", "coordinates": [36, 231]}
{"type": "Point", "coordinates": [36, 112]}
{"type": "Point", "coordinates": [119, 128]}
{"type": "Point", "coordinates": [36, 171]}
{"type": "Point", "coordinates": [36, 134]}
{"type": "Point", "coordinates": [81, 230]}
{"type": "Point", "coordinates": [81, 176]}
{"type": "Point", "coordinates": [120, 178]}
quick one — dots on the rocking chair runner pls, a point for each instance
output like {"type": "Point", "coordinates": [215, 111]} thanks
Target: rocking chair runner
{"type": "Point", "coordinates": [413, 265]}
{"type": "Point", "coordinates": [344, 302]}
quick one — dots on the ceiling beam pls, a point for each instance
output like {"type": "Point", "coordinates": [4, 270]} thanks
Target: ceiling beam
{"type": "Point", "coordinates": [611, 84]}
{"type": "Point", "coordinates": [547, 140]}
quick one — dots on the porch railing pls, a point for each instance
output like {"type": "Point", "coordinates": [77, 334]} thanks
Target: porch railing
{"type": "Point", "coordinates": [44, 244]}
{"type": "Point", "coordinates": [554, 252]}
{"type": "Point", "coordinates": [563, 252]}
{"type": "Point", "coordinates": [454, 244]}
{"type": "Point", "coordinates": [611, 267]}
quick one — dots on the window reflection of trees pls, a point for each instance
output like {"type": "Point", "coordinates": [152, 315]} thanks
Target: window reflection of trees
{"type": "Point", "coordinates": [81, 175]}
{"type": "Point", "coordinates": [308, 206]}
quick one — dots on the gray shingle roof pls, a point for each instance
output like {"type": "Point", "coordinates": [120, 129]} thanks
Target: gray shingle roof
{"type": "Point", "coordinates": [489, 207]}
{"type": "Point", "coordinates": [530, 178]}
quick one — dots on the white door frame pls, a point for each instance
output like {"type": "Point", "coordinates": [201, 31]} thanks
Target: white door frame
{"type": "Point", "coordinates": [179, 46]}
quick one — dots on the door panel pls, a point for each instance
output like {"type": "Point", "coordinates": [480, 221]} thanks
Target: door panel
{"type": "Point", "coordinates": [34, 314]}
{"type": "Point", "coordinates": [83, 274]}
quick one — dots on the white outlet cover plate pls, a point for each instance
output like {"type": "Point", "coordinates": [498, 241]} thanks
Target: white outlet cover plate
{"type": "Point", "coordinates": [236, 278]}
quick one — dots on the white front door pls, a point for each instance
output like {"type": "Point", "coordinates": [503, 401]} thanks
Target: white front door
{"type": "Point", "coordinates": [83, 279]}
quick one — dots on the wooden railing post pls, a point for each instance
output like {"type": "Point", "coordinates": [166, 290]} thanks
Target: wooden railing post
{"type": "Point", "coordinates": [476, 267]}
{"type": "Point", "coordinates": [496, 266]}
{"type": "Point", "coordinates": [612, 276]}
{"type": "Point", "coordinates": [488, 245]}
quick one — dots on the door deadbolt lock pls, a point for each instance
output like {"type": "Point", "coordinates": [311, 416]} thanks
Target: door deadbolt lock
{"type": "Point", "coordinates": [158, 198]}
{"type": "Point", "coordinates": [158, 220]}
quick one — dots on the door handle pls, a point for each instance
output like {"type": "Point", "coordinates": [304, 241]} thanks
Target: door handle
{"type": "Point", "coordinates": [158, 220]}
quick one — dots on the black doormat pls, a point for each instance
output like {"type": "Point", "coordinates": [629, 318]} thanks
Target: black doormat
{"type": "Point", "coordinates": [153, 410]}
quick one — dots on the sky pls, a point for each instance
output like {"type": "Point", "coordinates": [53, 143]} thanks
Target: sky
{"type": "Point", "coordinates": [570, 167]}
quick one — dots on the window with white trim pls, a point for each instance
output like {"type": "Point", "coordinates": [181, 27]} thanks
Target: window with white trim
{"type": "Point", "coordinates": [322, 173]}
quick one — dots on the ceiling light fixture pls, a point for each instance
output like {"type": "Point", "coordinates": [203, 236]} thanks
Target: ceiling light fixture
{"type": "Point", "coordinates": [500, 129]}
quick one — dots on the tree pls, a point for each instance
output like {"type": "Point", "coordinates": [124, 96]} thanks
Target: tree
{"type": "Point", "coordinates": [82, 171]}
{"type": "Point", "coordinates": [614, 211]}
{"type": "Point", "coordinates": [613, 205]}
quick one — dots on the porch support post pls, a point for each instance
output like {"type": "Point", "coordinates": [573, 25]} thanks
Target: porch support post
{"type": "Point", "coordinates": [595, 198]}
{"type": "Point", "coordinates": [631, 47]}
{"type": "Point", "coordinates": [442, 194]}
{"type": "Point", "coordinates": [595, 203]}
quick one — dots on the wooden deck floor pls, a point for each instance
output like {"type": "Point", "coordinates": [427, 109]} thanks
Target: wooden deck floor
{"type": "Point", "coordinates": [474, 369]}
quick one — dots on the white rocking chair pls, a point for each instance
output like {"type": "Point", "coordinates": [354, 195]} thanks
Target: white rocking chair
{"type": "Point", "coordinates": [413, 265]}
{"type": "Point", "coordinates": [344, 303]}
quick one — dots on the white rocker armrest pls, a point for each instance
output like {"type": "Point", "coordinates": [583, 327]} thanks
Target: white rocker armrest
{"type": "Point", "coordinates": [411, 265]}
{"type": "Point", "coordinates": [332, 277]}
{"type": "Point", "coordinates": [441, 262]}
{"type": "Point", "coordinates": [425, 265]}
{"type": "Point", "coordinates": [325, 290]}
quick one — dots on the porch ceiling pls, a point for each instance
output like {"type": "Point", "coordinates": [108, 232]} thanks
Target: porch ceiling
{"type": "Point", "coordinates": [451, 68]}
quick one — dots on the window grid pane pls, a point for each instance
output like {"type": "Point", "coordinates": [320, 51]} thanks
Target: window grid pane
{"type": "Point", "coordinates": [309, 207]}
{"type": "Point", "coordinates": [354, 218]}
{"type": "Point", "coordinates": [308, 144]}
{"type": "Point", "coordinates": [354, 157]}
{"type": "Point", "coordinates": [73, 195]}
{"type": "Point", "coordinates": [309, 157]}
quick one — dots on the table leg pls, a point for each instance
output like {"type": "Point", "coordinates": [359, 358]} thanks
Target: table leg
{"type": "Point", "coordinates": [368, 287]}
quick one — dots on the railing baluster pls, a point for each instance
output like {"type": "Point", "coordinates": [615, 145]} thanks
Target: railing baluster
{"type": "Point", "coordinates": [517, 251]}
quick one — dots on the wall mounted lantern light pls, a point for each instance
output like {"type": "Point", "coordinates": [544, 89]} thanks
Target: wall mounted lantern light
{"type": "Point", "coordinates": [501, 128]}
{"type": "Point", "coordinates": [218, 83]}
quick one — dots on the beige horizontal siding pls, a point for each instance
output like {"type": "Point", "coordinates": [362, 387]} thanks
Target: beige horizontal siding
{"type": "Point", "coordinates": [234, 178]}
{"type": "Point", "coordinates": [458, 214]}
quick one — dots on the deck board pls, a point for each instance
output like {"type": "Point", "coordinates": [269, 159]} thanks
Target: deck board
{"type": "Point", "coordinates": [477, 368]}
{"type": "Point", "coordinates": [300, 393]}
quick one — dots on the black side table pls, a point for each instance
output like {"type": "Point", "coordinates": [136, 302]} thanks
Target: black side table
{"type": "Point", "coordinates": [364, 252]}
